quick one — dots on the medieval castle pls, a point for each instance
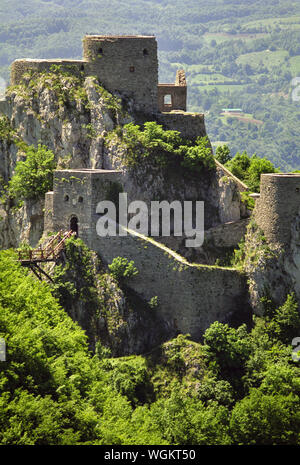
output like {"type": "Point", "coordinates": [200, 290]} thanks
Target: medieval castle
{"type": "Point", "coordinates": [190, 295]}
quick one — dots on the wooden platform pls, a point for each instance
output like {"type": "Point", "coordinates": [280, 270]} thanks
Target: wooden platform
{"type": "Point", "coordinates": [48, 252]}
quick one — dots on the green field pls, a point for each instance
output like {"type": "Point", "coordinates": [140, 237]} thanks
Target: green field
{"type": "Point", "coordinates": [266, 57]}
{"type": "Point", "coordinates": [295, 65]}
{"type": "Point", "coordinates": [292, 22]}
{"type": "Point", "coordinates": [225, 36]}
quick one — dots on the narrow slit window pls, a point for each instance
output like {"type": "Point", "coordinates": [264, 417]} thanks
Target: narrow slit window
{"type": "Point", "coordinates": [168, 99]}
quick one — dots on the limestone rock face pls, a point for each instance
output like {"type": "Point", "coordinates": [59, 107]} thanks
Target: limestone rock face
{"type": "Point", "coordinates": [73, 130]}
{"type": "Point", "coordinates": [273, 272]}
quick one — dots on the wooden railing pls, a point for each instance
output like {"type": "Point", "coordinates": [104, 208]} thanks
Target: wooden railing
{"type": "Point", "coordinates": [48, 252]}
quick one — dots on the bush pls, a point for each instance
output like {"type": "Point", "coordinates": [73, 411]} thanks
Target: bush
{"type": "Point", "coordinates": [34, 176]}
{"type": "Point", "coordinates": [261, 419]}
{"type": "Point", "coordinates": [166, 147]}
{"type": "Point", "coordinates": [284, 324]}
{"type": "Point", "coordinates": [121, 268]}
{"type": "Point", "coordinates": [249, 169]}
{"type": "Point", "coordinates": [223, 154]}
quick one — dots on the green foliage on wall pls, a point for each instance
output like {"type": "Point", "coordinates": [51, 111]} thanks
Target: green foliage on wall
{"type": "Point", "coordinates": [6, 131]}
{"type": "Point", "coordinates": [165, 147]}
{"type": "Point", "coordinates": [121, 268]}
{"type": "Point", "coordinates": [74, 280]}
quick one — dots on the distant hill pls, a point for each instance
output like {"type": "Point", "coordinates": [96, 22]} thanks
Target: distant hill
{"type": "Point", "coordinates": [235, 53]}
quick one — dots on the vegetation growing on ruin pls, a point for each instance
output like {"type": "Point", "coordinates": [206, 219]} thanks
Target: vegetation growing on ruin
{"type": "Point", "coordinates": [163, 147]}
{"type": "Point", "coordinates": [112, 102]}
{"type": "Point", "coordinates": [235, 56]}
{"type": "Point", "coordinates": [247, 168]}
{"type": "Point", "coordinates": [74, 279]}
{"type": "Point", "coordinates": [239, 387]}
{"type": "Point", "coordinates": [66, 84]}
{"type": "Point", "coordinates": [121, 268]}
{"type": "Point", "coordinates": [257, 250]}
{"type": "Point", "coordinates": [7, 133]}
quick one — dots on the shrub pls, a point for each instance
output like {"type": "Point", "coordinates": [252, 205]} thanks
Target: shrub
{"type": "Point", "coordinates": [249, 169]}
{"type": "Point", "coordinates": [261, 419]}
{"type": "Point", "coordinates": [121, 268]}
{"type": "Point", "coordinates": [166, 147]}
{"type": "Point", "coordinates": [223, 154]}
{"type": "Point", "coordinates": [33, 177]}
{"type": "Point", "coordinates": [284, 324]}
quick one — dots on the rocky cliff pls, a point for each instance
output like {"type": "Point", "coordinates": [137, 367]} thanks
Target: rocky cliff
{"type": "Point", "coordinates": [77, 119]}
{"type": "Point", "coordinates": [73, 117]}
{"type": "Point", "coordinates": [273, 272]}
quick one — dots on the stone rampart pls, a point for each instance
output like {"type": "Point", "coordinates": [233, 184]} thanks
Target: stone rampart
{"type": "Point", "coordinates": [190, 296]}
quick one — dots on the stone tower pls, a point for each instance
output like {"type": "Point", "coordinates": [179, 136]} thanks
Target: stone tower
{"type": "Point", "coordinates": [72, 203]}
{"type": "Point", "coordinates": [125, 64]}
{"type": "Point", "coordinates": [277, 206]}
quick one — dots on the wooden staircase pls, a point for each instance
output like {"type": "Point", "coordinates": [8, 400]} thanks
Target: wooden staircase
{"type": "Point", "coordinates": [48, 252]}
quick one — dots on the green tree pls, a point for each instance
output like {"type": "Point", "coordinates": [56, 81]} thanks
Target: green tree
{"type": "Point", "coordinates": [33, 177]}
{"type": "Point", "coordinates": [223, 154]}
{"type": "Point", "coordinates": [264, 419]}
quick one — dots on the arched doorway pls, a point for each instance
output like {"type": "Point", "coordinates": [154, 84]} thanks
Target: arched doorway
{"type": "Point", "coordinates": [74, 225]}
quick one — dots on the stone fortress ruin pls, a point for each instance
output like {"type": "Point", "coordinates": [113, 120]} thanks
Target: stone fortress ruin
{"type": "Point", "coordinates": [192, 292]}
{"type": "Point", "coordinates": [128, 66]}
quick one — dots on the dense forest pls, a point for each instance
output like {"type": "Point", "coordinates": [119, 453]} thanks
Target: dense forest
{"type": "Point", "coordinates": [237, 386]}
{"type": "Point", "coordinates": [240, 386]}
{"type": "Point", "coordinates": [236, 54]}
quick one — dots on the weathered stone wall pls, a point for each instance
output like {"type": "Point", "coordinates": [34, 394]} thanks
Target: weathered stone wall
{"type": "Point", "coordinates": [178, 97]}
{"type": "Point", "coordinates": [277, 206]}
{"type": "Point", "coordinates": [191, 125]}
{"type": "Point", "coordinates": [126, 65]}
{"type": "Point", "coordinates": [190, 297]}
{"type": "Point", "coordinates": [76, 193]}
{"type": "Point", "coordinates": [219, 243]}
{"type": "Point", "coordinates": [242, 187]}
{"type": "Point", "coordinates": [228, 234]}
{"type": "Point", "coordinates": [177, 92]}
